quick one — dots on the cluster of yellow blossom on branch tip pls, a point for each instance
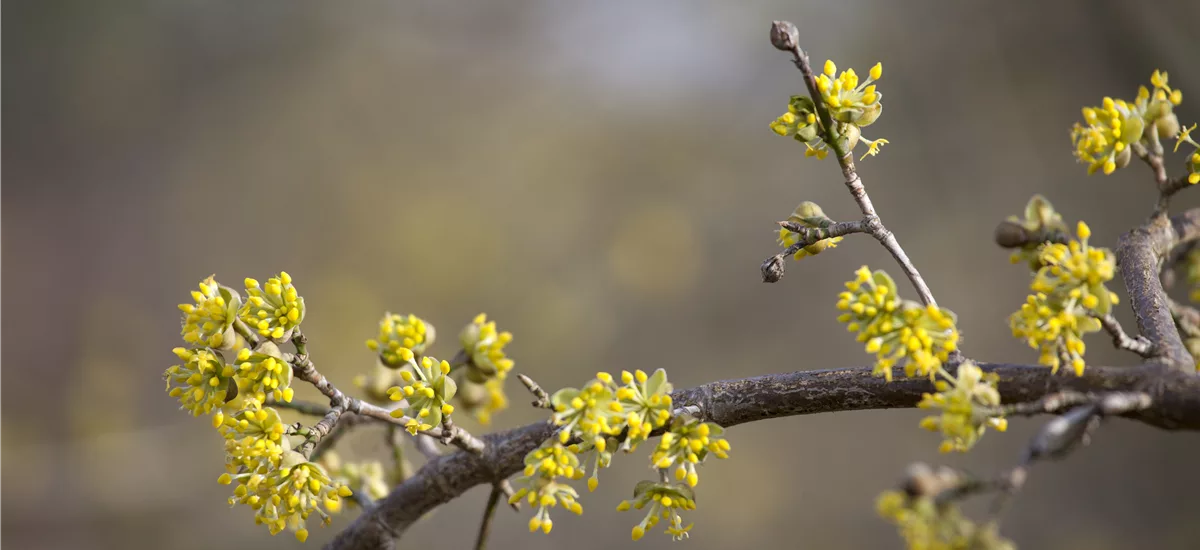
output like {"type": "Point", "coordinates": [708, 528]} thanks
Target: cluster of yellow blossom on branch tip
{"type": "Point", "coordinates": [1069, 292]}
{"type": "Point", "coordinates": [279, 484]}
{"type": "Point", "coordinates": [541, 486]}
{"type": "Point", "coordinates": [201, 382]}
{"type": "Point", "coordinates": [1104, 142]}
{"type": "Point", "coordinates": [264, 372]}
{"type": "Point", "coordinates": [367, 478]}
{"type": "Point", "coordinates": [896, 330]}
{"type": "Point", "coordinates": [665, 500]}
{"type": "Point", "coordinates": [400, 337]}
{"type": "Point", "coordinates": [478, 369]}
{"type": "Point", "coordinates": [274, 309]}
{"type": "Point", "coordinates": [686, 444]}
{"type": "Point", "coordinates": [282, 487]}
{"type": "Point", "coordinates": [592, 421]}
{"type": "Point", "coordinates": [428, 393]}
{"type": "Point", "coordinates": [852, 106]}
{"type": "Point", "coordinates": [209, 321]}
{"type": "Point", "coordinates": [926, 524]}
{"type": "Point", "coordinates": [968, 403]}
{"type": "Point", "coordinates": [287, 494]}
{"type": "Point", "coordinates": [808, 214]}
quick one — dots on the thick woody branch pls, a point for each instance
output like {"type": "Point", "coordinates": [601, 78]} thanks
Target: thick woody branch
{"type": "Point", "coordinates": [1140, 254]}
{"type": "Point", "coordinates": [1176, 397]}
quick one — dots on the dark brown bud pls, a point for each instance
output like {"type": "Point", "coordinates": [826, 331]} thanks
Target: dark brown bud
{"type": "Point", "coordinates": [785, 36]}
{"type": "Point", "coordinates": [1011, 235]}
{"type": "Point", "coordinates": [772, 269]}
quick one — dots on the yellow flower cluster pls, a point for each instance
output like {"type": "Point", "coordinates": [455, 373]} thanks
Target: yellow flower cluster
{"type": "Point", "coordinates": [400, 337]}
{"type": "Point", "coordinates": [261, 374]}
{"type": "Point", "coordinates": [1103, 141]}
{"type": "Point", "coordinates": [274, 309]}
{"type": "Point", "coordinates": [968, 405]}
{"type": "Point", "coordinates": [808, 214]}
{"type": "Point", "coordinates": [665, 501]}
{"type": "Point", "coordinates": [1068, 292]}
{"type": "Point", "coordinates": [539, 483]}
{"type": "Point", "coordinates": [686, 445]}
{"type": "Point", "coordinates": [852, 106]}
{"type": "Point", "coordinates": [201, 382]}
{"type": "Point", "coordinates": [209, 321]}
{"type": "Point", "coordinates": [428, 393]}
{"type": "Point", "coordinates": [287, 495]}
{"type": "Point", "coordinates": [894, 330]}
{"type": "Point", "coordinates": [928, 525]}
{"type": "Point", "coordinates": [484, 346]}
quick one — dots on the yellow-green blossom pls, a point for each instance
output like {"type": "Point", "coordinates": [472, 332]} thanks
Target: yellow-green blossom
{"type": "Point", "coordinates": [275, 309]}
{"type": "Point", "coordinates": [1068, 292]}
{"type": "Point", "coordinates": [926, 524]}
{"type": "Point", "coordinates": [808, 214]}
{"type": "Point", "coordinates": [209, 321]}
{"type": "Point", "coordinates": [265, 374]}
{"type": "Point", "coordinates": [665, 501]}
{"type": "Point", "coordinates": [539, 483]}
{"type": "Point", "coordinates": [428, 392]}
{"type": "Point", "coordinates": [1055, 329]}
{"type": "Point", "coordinates": [591, 413]}
{"type": "Point", "coordinates": [894, 330]}
{"type": "Point", "coordinates": [1076, 271]}
{"type": "Point", "coordinates": [1103, 144]}
{"type": "Point", "coordinates": [288, 495]}
{"type": "Point", "coordinates": [687, 444]}
{"type": "Point", "coordinates": [484, 346]}
{"type": "Point", "coordinates": [400, 337]}
{"type": "Point", "coordinates": [645, 404]}
{"type": "Point", "coordinates": [201, 383]}
{"type": "Point", "coordinates": [967, 403]}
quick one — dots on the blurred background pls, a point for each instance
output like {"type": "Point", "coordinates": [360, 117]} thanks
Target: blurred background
{"type": "Point", "coordinates": [599, 177]}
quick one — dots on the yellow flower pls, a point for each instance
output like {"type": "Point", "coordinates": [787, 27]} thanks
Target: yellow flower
{"type": "Point", "coordinates": [274, 309]}
{"type": "Point", "coordinates": [428, 391]}
{"type": "Point", "coordinates": [401, 337]}
{"type": "Point", "coordinates": [1103, 144]}
{"type": "Point", "coordinates": [665, 501]}
{"type": "Point", "coordinates": [201, 382]}
{"type": "Point", "coordinates": [686, 445]}
{"type": "Point", "coordinates": [540, 485]}
{"type": "Point", "coordinates": [484, 346]}
{"type": "Point", "coordinates": [209, 321]}
{"type": "Point", "coordinates": [966, 402]}
{"type": "Point", "coordinates": [263, 374]}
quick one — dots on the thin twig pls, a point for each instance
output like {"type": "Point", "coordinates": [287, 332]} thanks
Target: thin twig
{"type": "Point", "coordinates": [488, 512]}
{"type": "Point", "coordinates": [303, 368]}
{"type": "Point", "coordinates": [854, 183]}
{"type": "Point", "coordinates": [542, 399]}
{"type": "Point", "coordinates": [1139, 345]}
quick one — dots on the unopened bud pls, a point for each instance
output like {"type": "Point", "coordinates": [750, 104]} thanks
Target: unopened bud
{"type": "Point", "coordinates": [772, 269]}
{"type": "Point", "coordinates": [1010, 234]}
{"type": "Point", "coordinates": [785, 36]}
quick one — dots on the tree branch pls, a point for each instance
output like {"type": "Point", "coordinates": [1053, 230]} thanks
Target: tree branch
{"type": "Point", "coordinates": [1139, 345]}
{"type": "Point", "coordinates": [1176, 396]}
{"type": "Point", "coordinates": [871, 222]}
{"type": "Point", "coordinates": [1140, 254]}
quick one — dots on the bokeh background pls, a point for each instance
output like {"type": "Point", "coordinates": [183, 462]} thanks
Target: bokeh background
{"type": "Point", "coordinates": [599, 178]}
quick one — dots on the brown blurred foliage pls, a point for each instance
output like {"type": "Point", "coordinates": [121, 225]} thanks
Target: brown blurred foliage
{"type": "Point", "coordinates": [599, 178]}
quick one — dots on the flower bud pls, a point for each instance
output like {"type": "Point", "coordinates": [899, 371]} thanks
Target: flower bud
{"type": "Point", "coordinates": [1010, 234]}
{"type": "Point", "coordinates": [785, 36]}
{"type": "Point", "coordinates": [772, 269]}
